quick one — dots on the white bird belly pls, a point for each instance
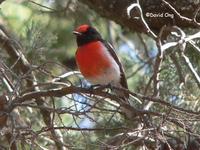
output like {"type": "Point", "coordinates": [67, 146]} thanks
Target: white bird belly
{"type": "Point", "coordinates": [109, 76]}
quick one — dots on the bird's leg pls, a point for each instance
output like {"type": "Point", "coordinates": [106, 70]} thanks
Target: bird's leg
{"type": "Point", "coordinates": [109, 85]}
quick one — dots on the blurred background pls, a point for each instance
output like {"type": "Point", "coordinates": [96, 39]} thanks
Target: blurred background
{"type": "Point", "coordinates": [44, 30]}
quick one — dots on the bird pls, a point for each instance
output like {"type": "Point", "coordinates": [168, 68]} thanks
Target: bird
{"type": "Point", "coordinates": [98, 61]}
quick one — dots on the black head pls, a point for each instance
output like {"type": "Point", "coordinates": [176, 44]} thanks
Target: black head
{"type": "Point", "coordinates": [85, 34]}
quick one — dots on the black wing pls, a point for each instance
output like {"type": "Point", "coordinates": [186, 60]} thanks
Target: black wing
{"type": "Point", "coordinates": [111, 50]}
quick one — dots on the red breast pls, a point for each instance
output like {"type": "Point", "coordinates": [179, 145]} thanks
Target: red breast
{"type": "Point", "coordinates": [92, 59]}
{"type": "Point", "coordinates": [97, 60]}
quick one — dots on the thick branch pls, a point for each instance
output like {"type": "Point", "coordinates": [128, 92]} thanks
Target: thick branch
{"type": "Point", "coordinates": [116, 10]}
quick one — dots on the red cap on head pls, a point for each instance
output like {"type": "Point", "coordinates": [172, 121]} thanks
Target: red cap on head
{"type": "Point", "coordinates": [82, 28]}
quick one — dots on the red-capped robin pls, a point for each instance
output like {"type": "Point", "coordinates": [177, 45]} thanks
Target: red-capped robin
{"type": "Point", "coordinates": [98, 61]}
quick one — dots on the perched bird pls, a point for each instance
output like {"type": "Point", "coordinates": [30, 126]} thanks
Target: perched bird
{"type": "Point", "coordinates": [98, 61]}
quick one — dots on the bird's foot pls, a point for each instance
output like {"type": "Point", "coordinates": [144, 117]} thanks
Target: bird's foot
{"type": "Point", "coordinates": [105, 88]}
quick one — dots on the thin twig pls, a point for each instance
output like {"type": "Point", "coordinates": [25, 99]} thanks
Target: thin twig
{"type": "Point", "coordinates": [42, 5]}
{"type": "Point", "coordinates": [183, 18]}
{"type": "Point", "coordinates": [193, 71]}
{"type": "Point", "coordinates": [139, 9]}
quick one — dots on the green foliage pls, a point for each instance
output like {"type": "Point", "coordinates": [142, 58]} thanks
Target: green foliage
{"type": "Point", "coordinates": [38, 42]}
{"type": "Point", "coordinates": [47, 41]}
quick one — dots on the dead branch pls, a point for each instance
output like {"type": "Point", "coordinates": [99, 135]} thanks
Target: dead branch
{"type": "Point", "coordinates": [13, 48]}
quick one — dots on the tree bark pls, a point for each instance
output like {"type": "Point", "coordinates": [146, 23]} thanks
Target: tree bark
{"type": "Point", "coordinates": [116, 10]}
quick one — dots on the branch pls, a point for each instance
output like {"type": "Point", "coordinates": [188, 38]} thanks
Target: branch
{"type": "Point", "coordinates": [156, 70]}
{"type": "Point", "coordinates": [1, 1]}
{"type": "Point", "coordinates": [122, 140]}
{"type": "Point", "coordinates": [45, 129]}
{"type": "Point", "coordinates": [72, 89]}
{"type": "Point", "coordinates": [5, 78]}
{"type": "Point", "coordinates": [191, 68]}
{"type": "Point", "coordinates": [157, 65]}
{"type": "Point", "coordinates": [143, 22]}
{"type": "Point", "coordinates": [194, 46]}
{"type": "Point", "coordinates": [178, 68]}
{"type": "Point", "coordinates": [183, 18]}
{"type": "Point", "coordinates": [182, 44]}
{"type": "Point", "coordinates": [119, 7]}
{"type": "Point", "coordinates": [13, 48]}
{"type": "Point", "coordinates": [38, 4]}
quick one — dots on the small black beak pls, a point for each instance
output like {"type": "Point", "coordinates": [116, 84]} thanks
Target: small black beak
{"type": "Point", "coordinates": [77, 33]}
